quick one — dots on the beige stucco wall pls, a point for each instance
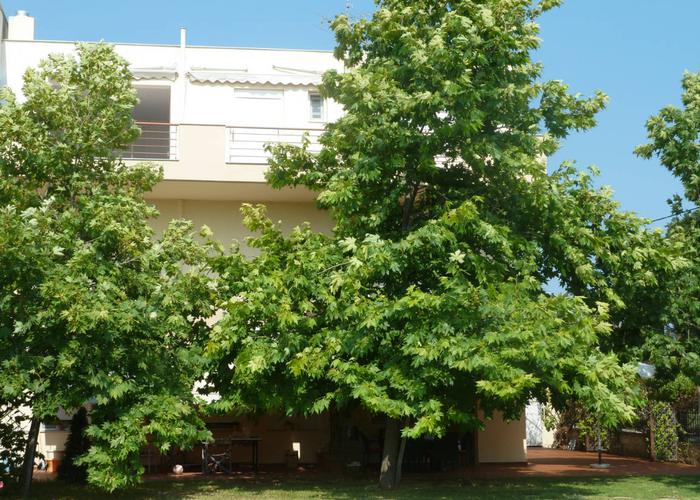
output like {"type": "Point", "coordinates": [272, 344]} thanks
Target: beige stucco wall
{"type": "Point", "coordinates": [502, 441]}
{"type": "Point", "coordinates": [201, 156]}
{"type": "Point", "coordinates": [224, 217]}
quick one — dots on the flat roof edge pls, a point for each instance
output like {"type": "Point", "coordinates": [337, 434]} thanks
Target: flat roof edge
{"type": "Point", "coordinates": [221, 47]}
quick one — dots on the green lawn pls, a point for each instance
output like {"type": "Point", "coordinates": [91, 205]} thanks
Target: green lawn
{"type": "Point", "coordinates": [590, 487]}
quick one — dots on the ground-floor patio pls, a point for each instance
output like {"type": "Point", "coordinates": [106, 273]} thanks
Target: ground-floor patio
{"type": "Point", "coordinates": [542, 462]}
{"type": "Point", "coordinates": [545, 462]}
{"type": "Point", "coordinates": [329, 442]}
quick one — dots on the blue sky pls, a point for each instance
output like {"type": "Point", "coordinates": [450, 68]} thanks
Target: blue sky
{"type": "Point", "coordinates": [634, 50]}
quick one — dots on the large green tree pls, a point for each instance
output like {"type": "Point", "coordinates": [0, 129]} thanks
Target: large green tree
{"type": "Point", "coordinates": [93, 306]}
{"type": "Point", "coordinates": [674, 138]}
{"type": "Point", "coordinates": [430, 299]}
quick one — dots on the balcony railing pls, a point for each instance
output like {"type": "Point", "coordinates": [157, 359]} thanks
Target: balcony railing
{"type": "Point", "coordinates": [247, 144]}
{"type": "Point", "coordinates": [158, 141]}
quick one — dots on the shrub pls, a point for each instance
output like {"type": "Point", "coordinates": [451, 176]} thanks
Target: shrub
{"type": "Point", "coordinates": [665, 431]}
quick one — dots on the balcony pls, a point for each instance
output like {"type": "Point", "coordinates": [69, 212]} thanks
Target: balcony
{"type": "Point", "coordinates": [216, 162]}
{"type": "Point", "coordinates": [158, 141]}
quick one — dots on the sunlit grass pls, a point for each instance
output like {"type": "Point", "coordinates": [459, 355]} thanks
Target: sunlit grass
{"type": "Point", "coordinates": [647, 487]}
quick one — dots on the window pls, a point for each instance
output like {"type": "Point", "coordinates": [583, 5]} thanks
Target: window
{"type": "Point", "coordinates": [258, 106]}
{"type": "Point", "coordinates": [258, 94]}
{"type": "Point", "coordinates": [316, 106]}
{"type": "Point", "coordinates": [55, 426]}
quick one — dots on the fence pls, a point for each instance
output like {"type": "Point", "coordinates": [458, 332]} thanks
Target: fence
{"type": "Point", "coordinates": [689, 422]}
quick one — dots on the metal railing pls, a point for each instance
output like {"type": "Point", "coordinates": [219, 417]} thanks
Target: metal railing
{"type": "Point", "coordinates": [247, 144]}
{"type": "Point", "coordinates": [158, 141]}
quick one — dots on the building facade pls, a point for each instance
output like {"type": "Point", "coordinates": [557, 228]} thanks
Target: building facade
{"type": "Point", "coordinates": [206, 114]}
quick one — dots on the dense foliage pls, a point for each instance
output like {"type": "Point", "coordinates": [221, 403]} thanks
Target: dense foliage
{"type": "Point", "coordinates": [93, 305]}
{"type": "Point", "coordinates": [430, 299]}
{"type": "Point", "coordinates": [666, 430]}
{"type": "Point", "coordinates": [431, 302]}
{"type": "Point", "coordinates": [674, 136]}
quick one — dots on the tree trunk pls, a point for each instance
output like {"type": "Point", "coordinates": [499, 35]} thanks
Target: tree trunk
{"type": "Point", "coordinates": [335, 459]}
{"type": "Point", "coordinates": [390, 455]}
{"type": "Point", "coordinates": [29, 453]}
{"type": "Point", "coordinates": [399, 461]}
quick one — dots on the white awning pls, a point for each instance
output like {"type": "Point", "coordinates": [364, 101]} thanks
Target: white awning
{"type": "Point", "coordinates": [204, 76]}
{"type": "Point", "coordinates": [162, 73]}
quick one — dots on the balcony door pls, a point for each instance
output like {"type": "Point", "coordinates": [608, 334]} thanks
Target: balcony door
{"type": "Point", "coordinates": [258, 116]}
{"type": "Point", "coordinates": [152, 114]}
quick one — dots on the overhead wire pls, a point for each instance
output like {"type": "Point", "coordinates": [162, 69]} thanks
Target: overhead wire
{"type": "Point", "coordinates": [675, 215]}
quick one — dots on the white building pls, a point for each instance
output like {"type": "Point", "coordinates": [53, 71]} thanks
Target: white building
{"type": "Point", "coordinates": [205, 115]}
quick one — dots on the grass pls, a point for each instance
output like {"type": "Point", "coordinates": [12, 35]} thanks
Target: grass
{"type": "Point", "coordinates": [632, 487]}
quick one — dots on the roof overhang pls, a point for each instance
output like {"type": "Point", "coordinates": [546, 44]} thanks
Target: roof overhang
{"type": "Point", "coordinates": [161, 73]}
{"type": "Point", "coordinates": [227, 77]}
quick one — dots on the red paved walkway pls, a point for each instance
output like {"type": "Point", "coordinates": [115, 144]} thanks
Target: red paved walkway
{"type": "Point", "coordinates": [547, 462]}
{"type": "Point", "coordinates": [542, 462]}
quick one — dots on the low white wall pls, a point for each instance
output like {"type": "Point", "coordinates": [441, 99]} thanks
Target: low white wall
{"type": "Point", "coordinates": [52, 444]}
{"type": "Point", "coordinates": [547, 438]}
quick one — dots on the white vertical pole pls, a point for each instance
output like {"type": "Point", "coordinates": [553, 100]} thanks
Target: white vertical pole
{"type": "Point", "coordinates": [182, 73]}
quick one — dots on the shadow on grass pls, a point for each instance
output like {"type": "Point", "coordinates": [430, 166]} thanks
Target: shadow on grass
{"type": "Point", "coordinates": [539, 488]}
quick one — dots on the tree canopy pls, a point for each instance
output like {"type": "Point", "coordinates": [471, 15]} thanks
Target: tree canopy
{"type": "Point", "coordinates": [94, 307]}
{"type": "Point", "coordinates": [433, 296]}
{"type": "Point", "coordinates": [461, 279]}
{"type": "Point", "coordinates": [674, 135]}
